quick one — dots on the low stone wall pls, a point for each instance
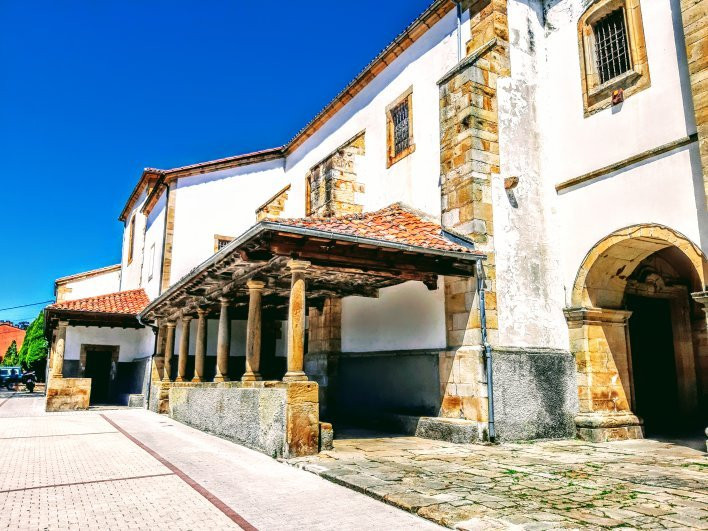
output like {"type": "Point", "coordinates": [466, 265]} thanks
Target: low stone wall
{"type": "Point", "coordinates": [68, 394]}
{"type": "Point", "coordinates": [535, 393]}
{"type": "Point", "coordinates": [276, 418]}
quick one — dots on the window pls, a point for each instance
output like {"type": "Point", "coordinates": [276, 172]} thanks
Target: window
{"type": "Point", "coordinates": [613, 53]}
{"type": "Point", "coordinates": [221, 241]}
{"type": "Point", "coordinates": [151, 262]}
{"type": "Point", "coordinates": [131, 239]}
{"type": "Point", "coordinates": [611, 50]}
{"type": "Point", "coordinates": [399, 128]}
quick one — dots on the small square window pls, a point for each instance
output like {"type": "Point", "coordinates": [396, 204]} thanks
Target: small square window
{"type": "Point", "coordinates": [611, 49]}
{"type": "Point", "coordinates": [221, 241]}
{"type": "Point", "coordinates": [399, 128]}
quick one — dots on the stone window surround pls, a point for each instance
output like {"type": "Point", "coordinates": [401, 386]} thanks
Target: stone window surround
{"type": "Point", "coordinates": [219, 238]}
{"type": "Point", "coordinates": [131, 238]}
{"type": "Point", "coordinates": [85, 347]}
{"type": "Point", "coordinates": [597, 96]}
{"type": "Point", "coordinates": [391, 157]}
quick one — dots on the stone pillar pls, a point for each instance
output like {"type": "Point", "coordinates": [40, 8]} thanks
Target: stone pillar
{"type": "Point", "coordinates": [253, 332]}
{"type": "Point", "coordinates": [201, 346]}
{"type": "Point", "coordinates": [169, 349]}
{"type": "Point", "coordinates": [183, 350]}
{"type": "Point", "coordinates": [58, 363]}
{"type": "Point", "coordinates": [296, 322]}
{"type": "Point", "coordinates": [599, 340]}
{"type": "Point", "coordinates": [223, 343]}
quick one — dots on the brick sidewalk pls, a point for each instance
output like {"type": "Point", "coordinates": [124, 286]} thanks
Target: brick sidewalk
{"type": "Point", "coordinates": [132, 469]}
{"type": "Point", "coordinates": [543, 485]}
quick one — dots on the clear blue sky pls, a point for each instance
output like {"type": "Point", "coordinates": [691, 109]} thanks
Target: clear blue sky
{"type": "Point", "coordinates": [93, 91]}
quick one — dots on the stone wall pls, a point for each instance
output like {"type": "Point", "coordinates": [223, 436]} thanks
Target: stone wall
{"type": "Point", "coordinates": [68, 394]}
{"type": "Point", "coordinates": [535, 393]}
{"type": "Point", "coordinates": [694, 14]}
{"type": "Point", "coordinates": [332, 186]}
{"type": "Point", "coordinates": [276, 418]}
{"type": "Point", "coordinates": [324, 342]}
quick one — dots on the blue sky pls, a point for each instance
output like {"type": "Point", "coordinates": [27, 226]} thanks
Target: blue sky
{"type": "Point", "coordinates": [93, 91]}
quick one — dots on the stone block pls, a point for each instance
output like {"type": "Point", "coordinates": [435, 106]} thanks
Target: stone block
{"type": "Point", "coordinates": [326, 436]}
{"type": "Point", "coordinates": [68, 394]}
{"type": "Point", "coordinates": [447, 429]}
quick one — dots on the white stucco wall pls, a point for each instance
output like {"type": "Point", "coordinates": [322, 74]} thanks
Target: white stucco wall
{"type": "Point", "coordinates": [99, 284]}
{"type": "Point", "coordinates": [667, 189]}
{"type": "Point", "coordinates": [154, 240]}
{"type": "Point", "coordinates": [414, 179]}
{"type": "Point", "coordinates": [407, 316]}
{"type": "Point", "coordinates": [223, 203]}
{"type": "Point", "coordinates": [133, 343]}
{"type": "Point", "coordinates": [132, 271]}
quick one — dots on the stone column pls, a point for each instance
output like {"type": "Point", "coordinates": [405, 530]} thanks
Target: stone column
{"type": "Point", "coordinates": [200, 349]}
{"type": "Point", "coordinates": [58, 363]}
{"type": "Point", "coordinates": [296, 322]}
{"type": "Point", "coordinates": [169, 350]}
{"type": "Point", "coordinates": [183, 350]}
{"type": "Point", "coordinates": [223, 343]}
{"type": "Point", "coordinates": [253, 332]}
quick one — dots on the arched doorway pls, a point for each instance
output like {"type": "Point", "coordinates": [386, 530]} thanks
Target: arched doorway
{"type": "Point", "coordinates": [638, 336]}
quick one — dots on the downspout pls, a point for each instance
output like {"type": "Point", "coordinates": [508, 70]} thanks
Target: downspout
{"type": "Point", "coordinates": [155, 330]}
{"type": "Point", "coordinates": [487, 351]}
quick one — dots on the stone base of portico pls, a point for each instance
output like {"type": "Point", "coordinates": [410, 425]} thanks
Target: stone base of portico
{"type": "Point", "coordinates": [280, 419]}
{"type": "Point", "coordinates": [68, 394]}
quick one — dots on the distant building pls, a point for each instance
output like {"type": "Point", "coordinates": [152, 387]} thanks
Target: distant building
{"type": "Point", "coordinates": [10, 332]}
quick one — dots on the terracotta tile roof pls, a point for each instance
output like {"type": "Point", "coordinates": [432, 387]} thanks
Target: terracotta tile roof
{"type": "Point", "coordinates": [396, 223]}
{"type": "Point", "coordinates": [130, 302]}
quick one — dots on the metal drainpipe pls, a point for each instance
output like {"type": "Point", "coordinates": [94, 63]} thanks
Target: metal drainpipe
{"type": "Point", "coordinates": [156, 330]}
{"type": "Point", "coordinates": [459, 30]}
{"type": "Point", "coordinates": [487, 350]}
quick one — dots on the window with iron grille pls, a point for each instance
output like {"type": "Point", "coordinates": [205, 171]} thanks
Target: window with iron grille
{"type": "Point", "coordinates": [401, 127]}
{"type": "Point", "coordinates": [611, 46]}
{"type": "Point", "coordinates": [221, 244]}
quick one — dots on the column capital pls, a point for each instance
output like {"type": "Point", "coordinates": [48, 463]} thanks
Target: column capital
{"type": "Point", "coordinates": [224, 301]}
{"type": "Point", "coordinates": [701, 297]}
{"type": "Point", "coordinates": [201, 311]}
{"type": "Point", "coordinates": [171, 324]}
{"type": "Point", "coordinates": [187, 318]}
{"type": "Point", "coordinates": [62, 324]}
{"type": "Point", "coordinates": [298, 265]}
{"type": "Point", "coordinates": [584, 316]}
{"type": "Point", "coordinates": [255, 285]}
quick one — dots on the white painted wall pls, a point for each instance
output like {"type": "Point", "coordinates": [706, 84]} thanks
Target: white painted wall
{"type": "Point", "coordinates": [131, 272]}
{"type": "Point", "coordinates": [154, 240]}
{"type": "Point", "coordinates": [668, 189]}
{"type": "Point", "coordinates": [407, 316]}
{"type": "Point", "coordinates": [133, 343]}
{"type": "Point", "coordinates": [99, 284]}
{"type": "Point", "coordinates": [223, 203]}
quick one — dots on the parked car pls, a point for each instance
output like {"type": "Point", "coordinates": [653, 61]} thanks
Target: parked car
{"type": "Point", "coordinates": [10, 376]}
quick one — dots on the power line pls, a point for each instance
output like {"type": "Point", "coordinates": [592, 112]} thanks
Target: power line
{"type": "Point", "coordinates": [25, 305]}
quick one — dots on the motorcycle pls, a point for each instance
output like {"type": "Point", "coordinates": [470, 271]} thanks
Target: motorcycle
{"type": "Point", "coordinates": [29, 379]}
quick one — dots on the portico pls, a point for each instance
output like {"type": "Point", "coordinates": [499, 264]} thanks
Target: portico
{"type": "Point", "coordinates": [270, 278]}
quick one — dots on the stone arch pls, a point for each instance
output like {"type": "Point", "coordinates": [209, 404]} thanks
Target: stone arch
{"type": "Point", "coordinates": [602, 277]}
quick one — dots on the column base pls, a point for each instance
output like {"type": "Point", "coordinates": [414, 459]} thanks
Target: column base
{"type": "Point", "coordinates": [196, 379]}
{"type": "Point", "coordinates": [604, 427]}
{"type": "Point", "coordinates": [295, 376]}
{"type": "Point", "coordinates": [219, 379]}
{"type": "Point", "coordinates": [179, 379]}
{"type": "Point", "coordinates": [251, 377]}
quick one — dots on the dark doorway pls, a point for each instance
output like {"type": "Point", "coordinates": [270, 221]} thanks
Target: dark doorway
{"type": "Point", "coordinates": [98, 368]}
{"type": "Point", "coordinates": [654, 365]}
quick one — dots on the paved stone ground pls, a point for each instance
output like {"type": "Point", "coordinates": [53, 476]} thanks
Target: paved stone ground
{"type": "Point", "coordinates": [542, 485]}
{"type": "Point", "coordinates": [132, 469]}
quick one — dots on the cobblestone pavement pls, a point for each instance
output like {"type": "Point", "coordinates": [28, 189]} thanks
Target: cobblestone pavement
{"type": "Point", "coordinates": [132, 469]}
{"type": "Point", "coordinates": [541, 485]}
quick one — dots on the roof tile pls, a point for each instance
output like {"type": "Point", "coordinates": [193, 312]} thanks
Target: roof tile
{"type": "Point", "coordinates": [395, 223]}
{"type": "Point", "coordinates": [130, 302]}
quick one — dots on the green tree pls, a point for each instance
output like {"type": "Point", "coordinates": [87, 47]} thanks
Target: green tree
{"type": "Point", "coordinates": [34, 347]}
{"type": "Point", "coordinates": [10, 357]}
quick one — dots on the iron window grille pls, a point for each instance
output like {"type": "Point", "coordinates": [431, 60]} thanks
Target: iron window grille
{"type": "Point", "coordinates": [221, 243]}
{"type": "Point", "coordinates": [611, 46]}
{"type": "Point", "coordinates": [401, 128]}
